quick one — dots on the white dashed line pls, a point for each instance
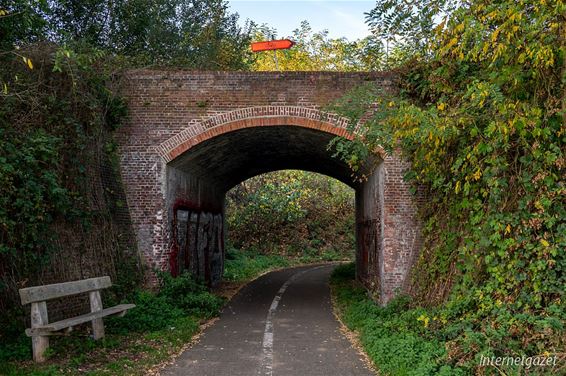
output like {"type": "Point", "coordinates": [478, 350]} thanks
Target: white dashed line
{"type": "Point", "coordinates": [266, 362]}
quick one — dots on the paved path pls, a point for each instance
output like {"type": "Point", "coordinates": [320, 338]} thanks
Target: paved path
{"type": "Point", "coordinates": [282, 325]}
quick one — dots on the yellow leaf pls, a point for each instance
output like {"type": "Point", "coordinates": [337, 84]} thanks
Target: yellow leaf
{"type": "Point", "coordinates": [451, 43]}
{"type": "Point", "coordinates": [508, 229]}
{"type": "Point", "coordinates": [30, 65]}
{"type": "Point", "coordinates": [441, 106]}
{"type": "Point", "coordinates": [457, 188]}
{"type": "Point", "coordinates": [544, 242]}
{"type": "Point", "coordinates": [425, 320]}
{"type": "Point", "coordinates": [477, 174]}
{"type": "Point", "coordinates": [521, 57]}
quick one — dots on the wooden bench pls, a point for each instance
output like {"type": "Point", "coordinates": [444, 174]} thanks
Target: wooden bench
{"type": "Point", "coordinates": [41, 328]}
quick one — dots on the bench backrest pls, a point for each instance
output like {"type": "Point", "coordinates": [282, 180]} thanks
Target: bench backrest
{"type": "Point", "coordinates": [59, 290]}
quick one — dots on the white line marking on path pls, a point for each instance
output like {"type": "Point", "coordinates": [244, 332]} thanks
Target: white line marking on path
{"type": "Point", "coordinates": [266, 363]}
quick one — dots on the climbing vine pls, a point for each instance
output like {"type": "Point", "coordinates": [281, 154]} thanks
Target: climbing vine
{"type": "Point", "coordinates": [482, 121]}
{"type": "Point", "coordinates": [56, 115]}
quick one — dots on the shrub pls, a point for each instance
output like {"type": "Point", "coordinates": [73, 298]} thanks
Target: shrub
{"type": "Point", "coordinates": [480, 118]}
{"type": "Point", "coordinates": [177, 298]}
{"type": "Point", "coordinates": [397, 339]}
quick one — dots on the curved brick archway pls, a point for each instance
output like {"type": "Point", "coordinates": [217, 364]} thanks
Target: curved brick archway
{"type": "Point", "coordinates": [250, 141]}
{"type": "Point", "coordinates": [261, 116]}
{"type": "Point", "coordinates": [194, 135]}
{"type": "Point", "coordinates": [203, 162]}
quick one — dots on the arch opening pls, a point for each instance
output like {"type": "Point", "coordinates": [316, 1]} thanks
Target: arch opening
{"type": "Point", "coordinates": [198, 179]}
{"type": "Point", "coordinates": [288, 217]}
{"type": "Point", "coordinates": [233, 157]}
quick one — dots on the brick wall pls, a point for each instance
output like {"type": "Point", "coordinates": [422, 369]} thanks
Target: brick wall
{"type": "Point", "coordinates": [104, 247]}
{"type": "Point", "coordinates": [193, 135]}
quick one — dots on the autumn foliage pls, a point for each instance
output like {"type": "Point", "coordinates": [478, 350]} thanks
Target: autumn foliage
{"type": "Point", "coordinates": [481, 117]}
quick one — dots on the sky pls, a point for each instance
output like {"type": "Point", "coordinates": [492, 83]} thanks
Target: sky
{"type": "Point", "coordinates": [340, 18]}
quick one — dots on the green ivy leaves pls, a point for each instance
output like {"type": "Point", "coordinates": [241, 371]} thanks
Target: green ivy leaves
{"type": "Point", "coordinates": [482, 123]}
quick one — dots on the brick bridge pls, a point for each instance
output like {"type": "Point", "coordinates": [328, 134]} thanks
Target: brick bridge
{"type": "Point", "coordinates": [192, 136]}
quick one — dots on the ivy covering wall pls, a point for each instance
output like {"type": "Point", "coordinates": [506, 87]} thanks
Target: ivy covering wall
{"type": "Point", "coordinates": [63, 214]}
{"type": "Point", "coordinates": [481, 117]}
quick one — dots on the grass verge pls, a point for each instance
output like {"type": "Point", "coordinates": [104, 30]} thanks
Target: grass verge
{"type": "Point", "coordinates": [393, 338]}
{"type": "Point", "coordinates": [403, 340]}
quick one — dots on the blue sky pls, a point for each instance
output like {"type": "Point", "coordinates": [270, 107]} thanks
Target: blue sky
{"type": "Point", "coordinates": [340, 18]}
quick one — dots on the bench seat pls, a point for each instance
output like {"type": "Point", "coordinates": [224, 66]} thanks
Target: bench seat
{"type": "Point", "coordinates": [41, 328]}
{"type": "Point", "coordinates": [69, 323]}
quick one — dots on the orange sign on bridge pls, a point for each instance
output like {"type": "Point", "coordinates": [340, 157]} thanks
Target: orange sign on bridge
{"type": "Point", "coordinates": [281, 44]}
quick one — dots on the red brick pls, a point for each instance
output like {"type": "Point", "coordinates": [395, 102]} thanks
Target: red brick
{"type": "Point", "coordinates": [187, 108]}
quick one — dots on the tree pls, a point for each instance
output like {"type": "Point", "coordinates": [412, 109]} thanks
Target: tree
{"type": "Point", "coordinates": [195, 34]}
{"type": "Point", "coordinates": [21, 22]}
{"type": "Point", "coordinates": [292, 212]}
{"type": "Point", "coordinates": [408, 26]}
{"type": "Point", "coordinates": [317, 51]}
{"type": "Point", "coordinates": [198, 34]}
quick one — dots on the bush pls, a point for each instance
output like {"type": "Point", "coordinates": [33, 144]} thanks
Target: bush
{"type": "Point", "coordinates": [480, 119]}
{"type": "Point", "coordinates": [188, 294]}
{"type": "Point", "coordinates": [177, 298]}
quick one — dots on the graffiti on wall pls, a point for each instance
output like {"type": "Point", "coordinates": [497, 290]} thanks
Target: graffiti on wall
{"type": "Point", "coordinates": [198, 245]}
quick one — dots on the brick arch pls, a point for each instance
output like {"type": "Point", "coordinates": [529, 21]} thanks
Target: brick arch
{"type": "Point", "coordinates": [172, 146]}
{"type": "Point", "coordinates": [261, 116]}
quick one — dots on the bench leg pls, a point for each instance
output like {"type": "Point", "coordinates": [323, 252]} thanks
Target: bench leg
{"type": "Point", "coordinates": [39, 343]}
{"type": "Point", "coordinates": [96, 305]}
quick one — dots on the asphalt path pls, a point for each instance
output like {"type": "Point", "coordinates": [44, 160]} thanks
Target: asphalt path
{"type": "Point", "coordinates": [281, 324]}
